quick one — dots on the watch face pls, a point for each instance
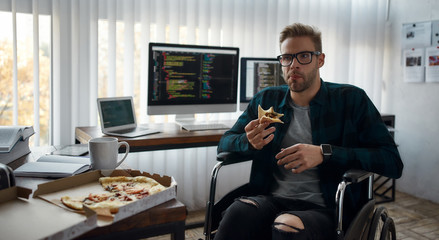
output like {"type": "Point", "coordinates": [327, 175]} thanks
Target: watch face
{"type": "Point", "coordinates": [326, 149]}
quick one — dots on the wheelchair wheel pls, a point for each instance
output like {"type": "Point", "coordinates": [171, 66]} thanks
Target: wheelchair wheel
{"type": "Point", "coordinates": [388, 232]}
{"type": "Point", "coordinates": [377, 223]}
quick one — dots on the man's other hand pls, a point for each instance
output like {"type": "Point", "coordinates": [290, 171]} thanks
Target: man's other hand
{"type": "Point", "coordinates": [300, 157]}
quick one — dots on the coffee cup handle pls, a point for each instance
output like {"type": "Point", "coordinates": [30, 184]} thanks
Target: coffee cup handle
{"type": "Point", "coordinates": [126, 151]}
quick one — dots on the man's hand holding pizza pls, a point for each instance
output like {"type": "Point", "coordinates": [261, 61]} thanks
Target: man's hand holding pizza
{"type": "Point", "coordinates": [257, 132]}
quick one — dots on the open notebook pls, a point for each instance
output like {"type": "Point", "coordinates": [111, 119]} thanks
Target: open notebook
{"type": "Point", "coordinates": [54, 166]}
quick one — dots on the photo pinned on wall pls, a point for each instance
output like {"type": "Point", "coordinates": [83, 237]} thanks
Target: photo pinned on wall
{"type": "Point", "coordinates": [414, 65]}
{"type": "Point", "coordinates": [416, 35]}
{"type": "Point", "coordinates": [432, 65]}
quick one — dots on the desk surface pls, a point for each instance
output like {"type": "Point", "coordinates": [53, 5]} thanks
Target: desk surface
{"type": "Point", "coordinates": [170, 137]}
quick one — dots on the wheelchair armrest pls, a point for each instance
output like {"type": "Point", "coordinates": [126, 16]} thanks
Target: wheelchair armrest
{"type": "Point", "coordinates": [223, 158]}
{"type": "Point", "coordinates": [356, 175]}
{"type": "Point", "coordinates": [351, 176]}
{"type": "Point", "coordinates": [227, 158]}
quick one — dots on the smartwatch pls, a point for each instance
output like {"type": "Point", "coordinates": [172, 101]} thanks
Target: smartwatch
{"type": "Point", "coordinates": [326, 151]}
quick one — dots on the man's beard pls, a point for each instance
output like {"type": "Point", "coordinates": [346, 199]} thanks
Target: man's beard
{"type": "Point", "coordinates": [308, 80]}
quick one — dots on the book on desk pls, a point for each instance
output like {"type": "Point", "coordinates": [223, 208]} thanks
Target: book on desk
{"type": "Point", "coordinates": [14, 142]}
{"type": "Point", "coordinates": [54, 166]}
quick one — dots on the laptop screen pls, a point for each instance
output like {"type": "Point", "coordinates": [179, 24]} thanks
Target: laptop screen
{"type": "Point", "coordinates": [117, 113]}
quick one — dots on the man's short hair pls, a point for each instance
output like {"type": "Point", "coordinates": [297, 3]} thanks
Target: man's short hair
{"type": "Point", "coordinates": [302, 30]}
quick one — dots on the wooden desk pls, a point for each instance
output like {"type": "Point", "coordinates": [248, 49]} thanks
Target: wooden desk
{"type": "Point", "coordinates": [171, 137]}
{"type": "Point", "coordinates": [166, 218]}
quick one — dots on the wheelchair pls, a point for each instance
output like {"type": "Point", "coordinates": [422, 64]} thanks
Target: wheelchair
{"type": "Point", "coordinates": [370, 222]}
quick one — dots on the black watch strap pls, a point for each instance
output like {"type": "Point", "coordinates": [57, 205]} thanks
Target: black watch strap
{"type": "Point", "coordinates": [326, 151]}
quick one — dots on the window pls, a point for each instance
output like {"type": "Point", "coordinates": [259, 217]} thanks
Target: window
{"type": "Point", "coordinates": [25, 92]}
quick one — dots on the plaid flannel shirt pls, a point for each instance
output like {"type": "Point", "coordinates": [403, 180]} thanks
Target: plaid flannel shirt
{"type": "Point", "coordinates": [341, 115]}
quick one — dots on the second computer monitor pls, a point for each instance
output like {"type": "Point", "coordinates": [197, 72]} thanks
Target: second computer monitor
{"type": "Point", "coordinates": [257, 74]}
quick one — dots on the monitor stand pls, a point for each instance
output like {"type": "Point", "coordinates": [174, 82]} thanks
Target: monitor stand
{"type": "Point", "coordinates": [189, 123]}
{"type": "Point", "coordinates": [185, 119]}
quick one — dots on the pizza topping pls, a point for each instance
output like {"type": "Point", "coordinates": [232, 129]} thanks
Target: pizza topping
{"type": "Point", "coordinates": [97, 197]}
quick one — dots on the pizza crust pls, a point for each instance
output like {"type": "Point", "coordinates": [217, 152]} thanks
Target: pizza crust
{"type": "Point", "coordinates": [146, 181]}
{"type": "Point", "coordinates": [269, 115]}
{"type": "Point", "coordinates": [74, 203]}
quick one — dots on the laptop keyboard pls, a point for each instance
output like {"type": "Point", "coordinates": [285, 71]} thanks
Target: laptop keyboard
{"type": "Point", "coordinates": [128, 130]}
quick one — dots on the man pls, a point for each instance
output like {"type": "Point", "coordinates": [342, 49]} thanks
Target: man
{"type": "Point", "coordinates": [328, 128]}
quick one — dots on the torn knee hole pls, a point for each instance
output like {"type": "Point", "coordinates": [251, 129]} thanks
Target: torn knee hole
{"type": "Point", "coordinates": [289, 223]}
{"type": "Point", "coordinates": [286, 228]}
{"type": "Point", "coordinates": [249, 201]}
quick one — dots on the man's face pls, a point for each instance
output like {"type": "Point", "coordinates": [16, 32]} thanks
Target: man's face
{"type": "Point", "coordinates": [301, 77]}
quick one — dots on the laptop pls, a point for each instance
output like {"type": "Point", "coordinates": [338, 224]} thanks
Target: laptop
{"type": "Point", "coordinates": [119, 119]}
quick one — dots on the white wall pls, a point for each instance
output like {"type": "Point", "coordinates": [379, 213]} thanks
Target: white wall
{"type": "Point", "coordinates": [415, 105]}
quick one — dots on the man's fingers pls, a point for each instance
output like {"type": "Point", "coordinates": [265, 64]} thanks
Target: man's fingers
{"type": "Point", "coordinates": [266, 140]}
{"type": "Point", "coordinates": [259, 136]}
{"type": "Point", "coordinates": [299, 157]}
{"type": "Point", "coordinates": [262, 139]}
{"type": "Point", "coordinates": [252, 124]}
{"type": "Point", "coordinates": [300, 169]}
{"type": "Point", "coordinates": [285, 152]}
{"type": "Point", "coordinates": [293, 164]}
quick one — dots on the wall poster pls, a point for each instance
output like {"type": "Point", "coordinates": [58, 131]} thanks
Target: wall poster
{"type": "Point", "coordinates": [414, 65]}
{"type": "Point", "coordinates": [432, 64]}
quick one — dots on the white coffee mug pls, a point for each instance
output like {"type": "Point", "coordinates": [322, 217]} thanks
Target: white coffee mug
{"type": "Point", "coordinates": [104, 152]}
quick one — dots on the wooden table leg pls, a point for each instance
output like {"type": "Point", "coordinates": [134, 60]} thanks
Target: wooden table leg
{"type": "Point", "coordinates": [166, 218]}
{"type": "Point", "coordinates": [179, 230]}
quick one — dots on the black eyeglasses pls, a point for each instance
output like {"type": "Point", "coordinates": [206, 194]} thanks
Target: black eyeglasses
{"type": "Point", "coordinates": [303, 58]}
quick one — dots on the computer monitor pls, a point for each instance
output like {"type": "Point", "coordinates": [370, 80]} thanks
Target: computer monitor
{"type": "Point", "coordinates": [189, 79]}
{"type": "Point", "coordinates": [257, 74]}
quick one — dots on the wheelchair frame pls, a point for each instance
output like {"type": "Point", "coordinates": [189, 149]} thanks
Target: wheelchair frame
{"type": "Point", "coordinates": [357, 230]}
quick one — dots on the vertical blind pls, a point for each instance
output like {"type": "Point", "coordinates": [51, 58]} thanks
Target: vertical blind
{"type": "Point", "coordinates": [100, 49]}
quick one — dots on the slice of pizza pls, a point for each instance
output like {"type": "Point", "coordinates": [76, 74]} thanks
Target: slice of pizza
{"type": "Point", "coordinates": [109, 201]}
{"type": "Point", "coordinates": [269, 115]}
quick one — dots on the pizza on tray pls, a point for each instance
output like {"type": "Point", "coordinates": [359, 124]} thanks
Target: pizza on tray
{"type": "Point", "coordinates": [119, 191]}
{"type": "Point", "coordinates": [269, 115]}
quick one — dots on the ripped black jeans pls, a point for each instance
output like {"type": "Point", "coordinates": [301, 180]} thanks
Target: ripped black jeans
{"type": "Point", "coordinates": [255, 220]}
